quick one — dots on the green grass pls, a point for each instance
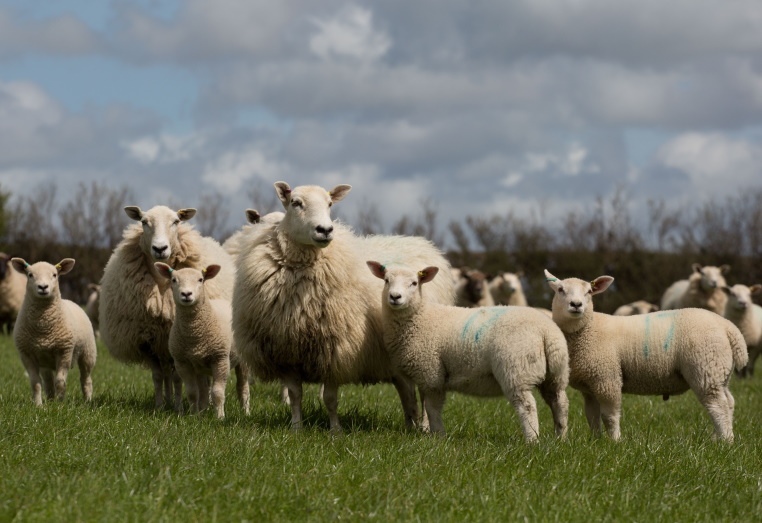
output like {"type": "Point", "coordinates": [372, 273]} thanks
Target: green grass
{"type": "Point", "coordinates": [117, 459]}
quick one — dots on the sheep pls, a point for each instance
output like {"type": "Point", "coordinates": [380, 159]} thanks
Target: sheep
{"type": "Point", "coordinates": [747, 316]}
{"type": "Point", "coordinates": [92, 305]}
{"type": "Point", "coordinates": [232, 244]}
{"type": "Point", "coordinates": [12, 291]}
{"type": "Point", "coordinates": [506, 289]}
{"type": "Point", "coordinates": [489, 352]}
{"type": "Point", "coordinates": [303, 307]}
{"type": "Point", "coordinates": [472, 290]}
{"type": "Point", "coordinates": [663, 353]}
{"type": "Point", "coordinates": [136, 309]}
{"type": "Point", "coordinates": [636, 307]}
{"type": "Point", "coordinates": [700, 290]}
{"type": "Point", "coordinates": [51, 333]}
{"type": "Point", "coordinates": [201, 340]}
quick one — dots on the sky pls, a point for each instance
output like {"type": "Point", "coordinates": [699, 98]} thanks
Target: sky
{"type": "Point", "coordinates": [479, 106]}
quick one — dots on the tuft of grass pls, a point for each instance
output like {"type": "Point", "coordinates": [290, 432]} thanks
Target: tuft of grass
{"type": "Point", "coordinates": [118, 459]}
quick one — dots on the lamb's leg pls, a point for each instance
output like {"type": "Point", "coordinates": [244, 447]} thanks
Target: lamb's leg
{"type": "Point", "coordinates": [331, 400]}
{"type": "Point", "coordinates": [559, 405]}
{"type": "Point", "coordinates": [424, 423]}
{"type": "Point", "coordinates": [284, 394]}
{"type": "Point", "coordinates": [593, 413]}
{"type": "Point", "coordinates": [177, 386]}
{"type": "Point", "coordinates": [188, 378]}
{"type": "Point", "coordinates": [47, 383]}
{"type": "Point", "coordinates": [34, 379]}
{"type": "Point", "coordinates": [435, 400]}
{"type": "Point", "coordinates": [157, 373]}
{"type": "Point", "coordinates": [611, 411]}
{"type": "Point", "coordinates": [203, 391]}
{"type": "Point", "coordinates": [406, 391]}
{"type": "Point", "coordinates": [85, 380]}
{"type": "Point", "coordinates": [242, 386]}
{"type": "Point", "coordinates": [295, 396]}
{"type": "Point", "coordinates": [715, 401]}
{"type": "Point", "coordinates": [166, 376]}
{"type": "Point", "coordinates": [526, 408]}
{"type": "Point", "coordinates": [220, 374]}
{"type": "Point", "coordinates": [63, 364]}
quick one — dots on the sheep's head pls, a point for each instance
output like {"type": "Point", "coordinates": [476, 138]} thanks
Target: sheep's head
{"type": "Point", "coordinates": [574, 297]}
{"type": "Point", "coordinates": [476, 284]}
{"type": "Point", "coordinates": [160, 226]}
{"type": "Point", "coordinates": [402, 286]}
{"type": "Point", "coordinates": [739, 296]}
{"type": "Point", "coordinates": [643, 307]}
{"type": "Point", "coordinates": [42, 277]}
{"type": "Point", "coordinates": [509, 282]}
{"type": "Point", "coordinates": [93, 288]}
{"type": "Point", "coordinates": [308, 212]}
{"type": "Point", "coordinates": [187, 284]}
{"type": "Point", "coordinates": [711, 277]}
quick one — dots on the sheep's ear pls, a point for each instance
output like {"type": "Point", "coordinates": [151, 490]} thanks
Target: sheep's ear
{"type": "Point", "coordinates": [19, 264]}
{"type": "Point", "coordinates": [186, 214]}
{"type": "Point", "coordinates": [4, 258]}
{"type": "Point", "coordinates": [211, 271]}
{"type": "Point", "coordinates": [339, 192]}
{"type": "Point", "coordinates": [756, 288]}
{"type": "Point", "coordinates": [427, 274]}
{"type": "Point", "coordinates": [697, 268]}
{"type": "Point", "coordinates": [252, 216]}
{"type": "Point", "coordinates": [552, 280]}
{"type": "Point", "coordinates": [163, 269]}
{"type": "Point", "coordinates": [601, 283]}
{"type": "Point", "coordinates": [65, 265]}
{"type": "Point", "coordinates": [134, 212]}
{"type": "Point", "coordinates": [725, 269]}
{"type": "Point", "coordinates": [283, 190]}
{"type": "Point", "coordinates": [378, 270]}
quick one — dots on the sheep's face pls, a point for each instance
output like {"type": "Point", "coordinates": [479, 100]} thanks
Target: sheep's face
{"type": "Point", "coordinates": [574, 297]}
{"type": "Point", "coordinates": [187, 284]}
{"type": "Point", "coordinates": [476, 285]}
{"type": "Point", "coordinates": [42, 277]}
{"type": "Point", "coordinates": [160, 229]}
{"type": "Point", "coordinates": [402, 286]}
{"type": "Point", "coordinates": [308, 212]}
{"type": "Point", "coordinates": [740, 296]}
{"type": "Point", "coordinates": [711, 277]}
{"type": "Point", "coordinates": [509, 282]}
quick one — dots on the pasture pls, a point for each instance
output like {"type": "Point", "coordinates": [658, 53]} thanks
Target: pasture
{"type": "Point", "coordinates": [118, 459]}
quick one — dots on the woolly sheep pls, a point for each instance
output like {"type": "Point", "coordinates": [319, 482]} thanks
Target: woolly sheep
{"type": "Point", "coordinates": [506, 289]}
{"type": "Point", "coordinates": [201, 340]}
{"type": "Point", "coordinates": [12, 291]}
{"type": "Point", "coordinates": [51, 333]}
{"type": "Point", "coordinates": [304, 303]}
{"type": "Point", "coordinates": [636, 307]}
{"type": "Point", "coordinates": [489, 352]}
{"type": "Point", "coordinates": [137, 309]}
{"type": "Point", "coordinates": [747, 316]}
{"type": "Point", "coordinates": [700, 290]}
{"type": "Point", "coordinates": [92, 305]}
{"type": "Point", "coordinates": [472, 290]}
{"type": "Point", "coordinates": [232, 244]}
{"type": "Point", "coordinates": [663, 353]}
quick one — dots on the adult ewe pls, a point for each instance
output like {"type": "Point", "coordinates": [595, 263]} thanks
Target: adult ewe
{"type": "Point", "coordinates": [701, 290]}
{"type": "Point", "coordinates": [747, 316]}
{"type": "Point", "coordinates": [663, 353]}
{"type": "Point", "coordinates": [137, 308]}
{"type": "Point", "coordinates": [12, 291]}
{"type": "Point", "coordinates": [305, 307]}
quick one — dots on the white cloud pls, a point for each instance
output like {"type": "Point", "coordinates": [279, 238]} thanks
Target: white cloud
{"type": "Point", "coordinates": [228, 172]}
{"type": "Point", "coordinates": [164, 149]}
{"type": "Point", "coordinates": [349, 34]}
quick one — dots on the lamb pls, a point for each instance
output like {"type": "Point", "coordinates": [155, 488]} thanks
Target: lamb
{"type": "Point", "coordinates": [201, 340]}
{"type": "Point", "coordinates": [506, 289]}
{"type": "Point", "coordinates": [92, 305]}
{"type": "Point", "coordinates": [303, 307]}
{"type": "Point", "coordinates": [137, 308]}
{"type": "Point", "coordinates": [700, 290]}
{"type": "Point", "coordinates": [663, 353]}
{"type": "Point", "coordinates": [12, 291]}
{"type": "Point", "coordinates": [472, 290]}
{"type": "Point", "coordinates": [489, 352]}
{"type": "Point", "coordinates": [232, 244]}
{"type": "Point", "coordinates": [51, 333]}
{"type": "Point", "coordinates": [636, 307]}
{"type": "Point", "coordinates": [747, 316]}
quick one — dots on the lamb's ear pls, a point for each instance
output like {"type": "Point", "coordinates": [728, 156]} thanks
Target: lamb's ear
{"type": "Point", "coordinates": [697, 268]}
{"type": "Point", "coordinates": [283, 190]}
{"type": "Point", "coordinates": [725, 269]}
{"type": "Point", "coordinates": [727, 290]}
{"type": "Point", "coordinates": [552, 280]}
{"type": "Point", "coordinates": [211, 271]}
{"type": "Point", "coordinates": [601, 283]}
{"type": "Point", "coordinates": [252, 216]}
{"type": "Point", "coordinates": [186, 214]}
{"type": "Point", "coordinates": [65, 265]}
{"type": "Point", "coordinates": [19, 264]}
{"type": "Point", "coordinates": [163, 269]}
{"type": "Point", "coordinates": [378, 270]}
{"type": "Point", "coordinates": [756, 288]}
{"type": "Point", "coordinates": [134, 212]}
{"type": "Point", "coordinates": [339, 192]}
{"type": "Point", "coordinates": [427, 274]}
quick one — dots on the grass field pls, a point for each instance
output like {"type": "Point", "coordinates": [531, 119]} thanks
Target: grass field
{"type": "Point", "coordinates": [117, 459]}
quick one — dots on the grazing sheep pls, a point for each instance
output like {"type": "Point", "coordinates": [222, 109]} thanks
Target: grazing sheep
{"type": "Point", "coordinates": [12, 291]}
{"type": "Point", "coordinates": [232, 244]}
{"type": "Point", "coordinates": [490, 352]}
{"type": "Point", "coordinates": [137, 309]}
{"type": "Point", "coordinates": [304, 307]}
{"type": "Point", "coordinates": [92, 305]}
{"type": "Point", "coordinates": [472, 290]}
{"type": "Point", "coordinates": [747, 316]}
{"type": "Point", "coordinates": [635, 308]}
{"type": "Point", "coordinates": [663, 353]}
{"type": "Point", "coordinates": [700, 290]}
{"type": "Point", "coordinates": [201, 340]}
{"type": "Point", "coordinates": [51, 333]}
{"type": "Point", "coordinates": [506, 289]}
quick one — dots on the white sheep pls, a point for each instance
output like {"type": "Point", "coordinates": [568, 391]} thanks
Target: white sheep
{"type": "Point", "coordinates": [232, 245]}
{"type": "Point", "coordinates": [92, 305]}
{"type": "Point", "coordinates": [506, 289]}
{"type": "Point", "coordinates": [492, 351]}
{"type": "Point", "coordinates": [304, 306]}
{"type": "Point", "coordinates": [12, 291]}
{"type": "Point", "coordinates": [201, 340]}
{"type": "Point", "coordinates": [663, 353]}
{"type": "Point", "coordinates": [137, 309]}
{"type": "Point", "coordinates": [747, 316]}
{"type": "Point", "coordinates": [51, 333]}
{"type": "Point", "coordinates": [472, 290]}
{"type": "Point", "coordinates": [636, 307]}
{"type": "Point", "coordinates": [700, 290]}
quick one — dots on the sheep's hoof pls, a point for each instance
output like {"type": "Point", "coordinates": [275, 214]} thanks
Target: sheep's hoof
{"type": "Point", "coordinates": [336, 431]}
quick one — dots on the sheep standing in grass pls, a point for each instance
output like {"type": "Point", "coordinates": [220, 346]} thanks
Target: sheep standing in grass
{"type": "Point", "coordinates": [137, 309]}
{"type": "Point", "coordinates": [506, 289]}
{"type": "Point", "coordinates": [635, 308]}
{"type": "Point", "coordinates": [489, 352]}
{"type": "Point", "coordinates": [12, 291]}
{"type": "Point", "coordinates": [92, 305]}
{"type": "Point", "coordinates": [700, 290]}
{"type": "Point", "coordinates": [201, 340]}
{"type": "Point", "coordinates": [472, 290]}
{"type": "Point", "coordinates": [51, 333]}
{"type": "Point", "coordinates": [663, 353]}
{"type": "Point", "coordinates": [305, 307]}
{"type": "Point", "coordinates": [747, 316]}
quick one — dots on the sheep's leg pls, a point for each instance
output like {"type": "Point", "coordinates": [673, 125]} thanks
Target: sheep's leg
{"type": "Point", "coordinates": [202, 380]}
{"type": "Point", "coordinates": [406, 391]}
{"type": "Point", "coordinates": [424, 423]}
{"type": "Point", "coordinates": [716, 403]}
{"type": "Point", "coordinates": [559, 406]}
{"type": "Point", "coordinates": [63, 364]}
{"type": "Point", "coordinates": [177, 386]}
{"type": "Point", "coordinates": [220, 374]}
{"type": "Point", "coordinates": [611, 410]}
{"type": "Point", "coordinates": [34, 379]}
{"type": "Point", "coordinates": [188, 378]}
{"type": "Point", "coordinates": [435, 400]}
{"type": "Point", "coordinates": [295, 396]}
{"type": "Point", "coordinates": [166, 377]}
{"type": "Point", "coordinates": [284, 394]}
{"type": "Point", "coordinates": [242, 386]}
{"type": "Point", "coordinates": [331, 400]}
{"type": "Point", "coordinates": [526, 408]}
{"type": "Point", "coordinates": [85, 380]}
{"type": "Point", "coordinates": [593, 414]}
{"type": "Point", "coordinates": [157, 373]}
{"type": "Point", "coordinates": [47, 383]}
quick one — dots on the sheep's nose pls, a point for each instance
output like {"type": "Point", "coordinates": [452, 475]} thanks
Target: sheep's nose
{"type": "Point", "coordinates": [395, 296]}
{"type": "Point", "coordinates": [325, 231]}
{"type": "Point", "coordinates": [186, 295]}
{"type": "Point", "coordinates": [160, 250]}
{"type": "Point", "coordinates": [576, 304]}
{"type": "Point", "coordinates": [43, 287]}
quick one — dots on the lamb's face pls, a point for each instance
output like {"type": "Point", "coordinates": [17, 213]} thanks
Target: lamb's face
{"type": "Point", "coordinates": [476, 285]}
{"type": "Point", "coordinates": [402, 286]}
{"type": "Point", "coordinates": [574, 297]}
{"type": "Point", "coordinates": [160, 229]}
{"type": "Point", "coordinates": [740, 296]}
{"type": "Point", "coordinates": [187, 286]}
{"type": "Point", "coordinates": [711, 277]}
{"type": "Point", "coordinates": [308, 212]}
{"type": "Point", "coordinates": [509, 283]}
{"type": "Point", "coordinates": [42, 277]}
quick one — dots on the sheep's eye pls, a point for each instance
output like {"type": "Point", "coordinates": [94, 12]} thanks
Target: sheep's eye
{"type": "Point", "coordinates": [176, 222]}
{"type": "Point", "coordinates": [330, 204]}
{"type": "Point", "coordinates": [386, 280]}
{"type": "Point", "coordinates": [55, 276]}
{"type": "Point", "coordinates": [296, 203]}
{"type": "Point", "coordinates": [561, 290]}
{"type": "Point", "coordinates": [29, 274]}
{"type": "Point", "coordinates": [174, 280]}
{"type": "Point", "coordinates": [590, 291]}
{"type": "Point", "coordinates": [414, 284]}
{"type": "Point", "coordinates": [201, 280]}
